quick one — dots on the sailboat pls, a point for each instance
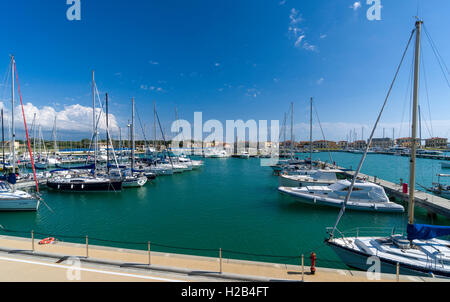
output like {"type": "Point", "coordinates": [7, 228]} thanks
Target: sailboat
{"type": "Point", "coordinates": [10, 198]}
{"type": "Point", "coordinates": [91, 181]}
{"type": "Point", "coordinates": [418, 253]}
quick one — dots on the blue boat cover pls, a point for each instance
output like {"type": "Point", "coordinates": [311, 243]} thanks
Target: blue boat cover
{"type": "Point", "coordinates": [425, 232]}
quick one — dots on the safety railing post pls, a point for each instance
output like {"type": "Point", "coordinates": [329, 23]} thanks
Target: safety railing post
{"type": "Point", "coordinates": [220, 256]}
{"type": "Point", "coordinates": [87, 247]}
{"type": "Point", "coordinates": [398, 272]}
{"type": "Point", "coordinates": [303, 268]}
{"type": "Point", "coordinates": [149, 255]}
{"type": "Point", "coordinates": [32, 240]}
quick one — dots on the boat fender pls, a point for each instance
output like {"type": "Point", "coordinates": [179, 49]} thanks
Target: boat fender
{"type": "Point", "coordinates": [313, 263]}
{"type": "Point", "coordinates": [49, 240]}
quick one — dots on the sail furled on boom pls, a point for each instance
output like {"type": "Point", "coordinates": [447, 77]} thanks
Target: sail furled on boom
{"type": "Point", "coordinates": [426, 232]}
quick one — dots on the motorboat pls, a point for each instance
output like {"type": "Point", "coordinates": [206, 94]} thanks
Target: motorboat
{"type": "Point", "coordinates": [313, 178]}
{"type": "Point", "coordinates": [366, 196]}
{"type": "Point", "coordinates": [135, 181]}
{"type": "Point", "coordinates": [16, 200]}
{"type": "Point", "coordinates": [244, 155]}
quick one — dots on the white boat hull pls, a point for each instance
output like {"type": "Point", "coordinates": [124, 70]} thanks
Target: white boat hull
{"type": "Point", "coordinates": [135, 183]}
{"type": "Point", "coordinates": [359, 261]}
{"type": "Point", "coordinates": [348, 251]}
{"type": "Point", "coordinates": [25, 204]}
{"type": "Point", "coordinates": [351, 205]}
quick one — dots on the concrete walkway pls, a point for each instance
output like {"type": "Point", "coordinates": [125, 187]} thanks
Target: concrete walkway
{"type": "Point", "coordinates": [52, 263]}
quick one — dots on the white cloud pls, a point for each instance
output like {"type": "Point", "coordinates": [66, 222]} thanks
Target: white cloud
{"type": "Point", "coordinates": [299, 41]}
{"type": "Point", "coordinates": [297, 33]}
{"type": "Point", "coordinates": [309, 47]}
{"type": "Point", "coordinates": [320, 81]}
{"type": "Point", "coordinates": [283, 2]}
{"type": "Point", "coordinates": [355, 6]}
{"type": "Point", "coordinates": [150, 88]}
{"type": "Point", "coordinates": [153, 62]}
{"type": "Point", "coordinates": [76, 118]}
{"type": "Point", "coordinates": [323, 36]}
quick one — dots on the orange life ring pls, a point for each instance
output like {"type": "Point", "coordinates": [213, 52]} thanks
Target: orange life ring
{"type": "Point", "coordinates": [48, 240]}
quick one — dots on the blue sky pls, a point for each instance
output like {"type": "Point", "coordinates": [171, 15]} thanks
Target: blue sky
{"type": "Point", "coordinates": [230, 59]}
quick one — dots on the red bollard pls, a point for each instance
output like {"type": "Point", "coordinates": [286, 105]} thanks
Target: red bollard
{"type": "Point", "coordinates": [405, 188]}
{"type": "Point", "coordinates": [313, 263]}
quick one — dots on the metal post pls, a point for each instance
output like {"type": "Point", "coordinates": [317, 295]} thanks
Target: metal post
{"type": "Point", "coordinates": [398, 272]}
{"type": "Point", "coordinates": [87, 247]}
{"type": "Point", "coordinates": [220, 255]}
{"type": "Point", "coordinates": [149, 255]}
{"type": "Point", "coordinates": [32, 240]}
{"type": "Point", "coordinates": [303, 268]}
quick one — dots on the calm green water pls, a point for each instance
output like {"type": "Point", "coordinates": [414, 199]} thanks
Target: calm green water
{"type": "Point", "coordinates": [231, 203]}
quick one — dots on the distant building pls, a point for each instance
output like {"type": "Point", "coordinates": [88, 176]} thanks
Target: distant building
{"type": "Point", "coordinates": [342, 145]}
{"type": "Point", "coordinates": [406, 142]}
{"type": "Point", "coordinates": [358, 144]}
{"type": "Point", "coordinates": [436, 142]}
{"type": "Point", "coordinates": [382, 143]}
{"type": "Point", "coordinates": [323, 144]}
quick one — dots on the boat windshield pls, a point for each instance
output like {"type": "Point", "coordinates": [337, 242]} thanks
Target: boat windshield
{"type": "Point", "coordinates": [4, 187]}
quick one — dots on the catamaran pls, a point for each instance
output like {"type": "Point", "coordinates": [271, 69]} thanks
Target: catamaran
{"type": "Point", "coordinates": [418, 253]}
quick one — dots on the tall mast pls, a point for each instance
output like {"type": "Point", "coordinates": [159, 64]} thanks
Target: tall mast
{"type": "Point", "coordinates": [284, 134]}
{"type": "Point", "coordinates": [34, 135]}
{"type": "Point", "coordinates": [412, 175]}
{"type": "Point", "coordinates": [3, 143]}
{"type": "Point", "coordinates": [292, 129]}
{"type": "Point", "coordinates": [154, 124]}
{"type": "Point", "coordinates": [54, 138]}
{"type": "Point", "coordinates": [393, 137]}
{"type": "Point", "coordinates": [13, 143]}
{"type": "Point", "coordinates": [120, 143]}
{"type": "Point", "coordinates": [93, 120]}
{"type": "Point", "coordinates": [420, 128]}
{"type": "Point", "coordinates": [132, 134]}
{"type": "Point", "coordinates": [107, 135]}
{"type": "Point", "coordinates": [310, 135]}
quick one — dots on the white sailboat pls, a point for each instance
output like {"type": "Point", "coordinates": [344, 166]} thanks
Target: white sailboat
{"type": "Point", "coordinates": [10, 198]}
{"type": "Point", "coordinates": [420, 252]}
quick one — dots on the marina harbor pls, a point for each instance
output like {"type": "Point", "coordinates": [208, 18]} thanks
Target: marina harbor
{"type": "Point", "coordinates": [223, 149]}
